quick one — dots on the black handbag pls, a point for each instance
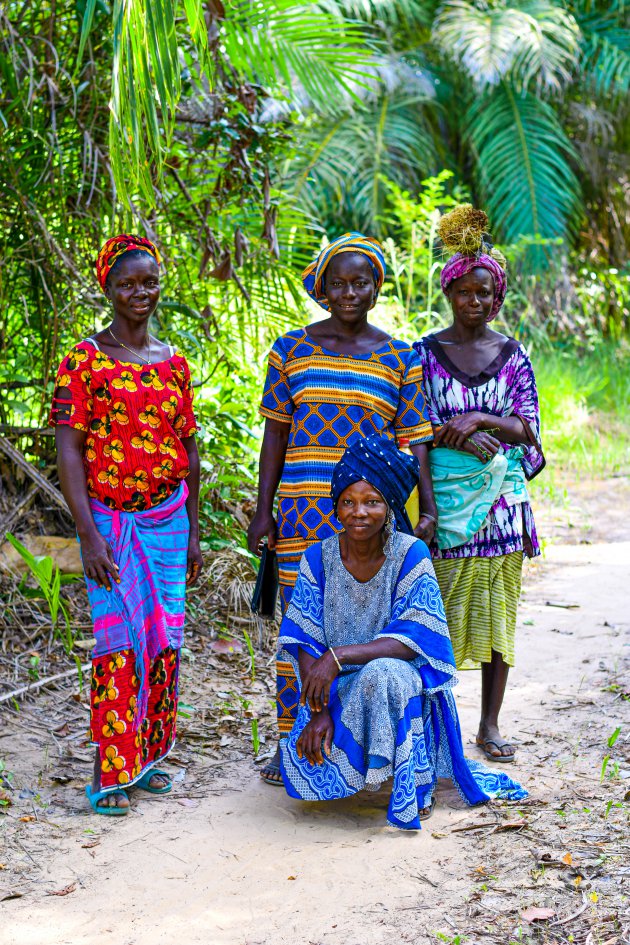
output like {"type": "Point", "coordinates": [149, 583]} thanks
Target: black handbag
{"type": "Point", "coordinates": [267, 584]}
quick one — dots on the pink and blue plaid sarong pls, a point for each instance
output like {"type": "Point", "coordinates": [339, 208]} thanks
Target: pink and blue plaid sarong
{"type": "Point", "coordinates": [145, 612]}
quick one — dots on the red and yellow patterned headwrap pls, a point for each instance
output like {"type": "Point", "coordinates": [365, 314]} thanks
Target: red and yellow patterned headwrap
{"type": "Point", "coordinates": [116, 247]}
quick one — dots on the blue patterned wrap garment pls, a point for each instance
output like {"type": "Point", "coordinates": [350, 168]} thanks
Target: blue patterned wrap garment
{"type": "Point", "coordinates": [392, 718]}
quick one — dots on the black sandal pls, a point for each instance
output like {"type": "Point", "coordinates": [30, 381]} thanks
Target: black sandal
{"type": "Point", "coordinates": [502, 759]}
{"type": "Point", "coordinates": [271, 774]}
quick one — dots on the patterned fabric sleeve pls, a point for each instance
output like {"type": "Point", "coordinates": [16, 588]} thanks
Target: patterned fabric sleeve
{"type": "Point", "coordinates": [277, 403]}
{"type": "Point", "coordinates": [412, 418]}
{"type": "Point", "coordinates": [522, 402]}
{"type": "Point", "coordinates": [72, 397]}
{"type": "Point", "coordinates": [186, 422]}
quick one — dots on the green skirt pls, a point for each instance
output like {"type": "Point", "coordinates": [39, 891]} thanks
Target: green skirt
{"type": "Point", "coordinates": [480, 598]}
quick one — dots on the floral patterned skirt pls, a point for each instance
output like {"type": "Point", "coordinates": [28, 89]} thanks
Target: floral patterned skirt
{"type": "Point", "coordinates": [126, 754]}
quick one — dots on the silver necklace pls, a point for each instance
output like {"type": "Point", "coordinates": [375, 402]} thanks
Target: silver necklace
{"type": "Point", "coordinates": [133, 351]}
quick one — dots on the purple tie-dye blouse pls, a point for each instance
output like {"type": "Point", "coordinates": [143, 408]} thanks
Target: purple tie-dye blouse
{"type": "Point", "coordinates": [505, 388]}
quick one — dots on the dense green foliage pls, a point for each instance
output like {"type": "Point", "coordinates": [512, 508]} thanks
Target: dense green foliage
{"type": "Point", "coordinates": [239, 133]}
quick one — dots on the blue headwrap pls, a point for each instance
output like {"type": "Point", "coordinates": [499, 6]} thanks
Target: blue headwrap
{"type": "Point", "coordinates": [313, 275]}
{"type": "Point", "coordinates": [379, 462]}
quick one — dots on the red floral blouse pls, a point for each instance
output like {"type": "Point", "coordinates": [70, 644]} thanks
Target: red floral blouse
{"type": "Point", "coordinates": [135, 418]}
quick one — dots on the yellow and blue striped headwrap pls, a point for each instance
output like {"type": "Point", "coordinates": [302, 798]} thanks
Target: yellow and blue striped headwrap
{"type": "Point", "coordinates": [348, 243]}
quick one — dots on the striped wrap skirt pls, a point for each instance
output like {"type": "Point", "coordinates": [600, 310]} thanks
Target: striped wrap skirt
{"type": "Point", "coordinates": [480, 599]}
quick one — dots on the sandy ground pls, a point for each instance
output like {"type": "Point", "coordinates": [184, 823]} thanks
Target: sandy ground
{"type": "Point", "coordinates": [227, 860]}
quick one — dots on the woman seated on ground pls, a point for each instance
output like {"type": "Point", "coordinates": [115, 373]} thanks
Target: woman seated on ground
{"type": "Point", "coordinates": [366, 633]}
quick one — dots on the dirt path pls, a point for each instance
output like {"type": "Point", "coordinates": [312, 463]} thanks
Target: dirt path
{"type": "Point", "coordinates": [226, 860]}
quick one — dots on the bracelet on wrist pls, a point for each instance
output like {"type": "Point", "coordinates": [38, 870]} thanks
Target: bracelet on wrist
{"type": "Point", "coordinates": [431, 518]}
{"type": "Point", "coordinates": [334, 656]}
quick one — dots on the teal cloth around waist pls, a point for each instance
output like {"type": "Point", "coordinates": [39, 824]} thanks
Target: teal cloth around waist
{"type": "Point", "coordinates": [466, 489]}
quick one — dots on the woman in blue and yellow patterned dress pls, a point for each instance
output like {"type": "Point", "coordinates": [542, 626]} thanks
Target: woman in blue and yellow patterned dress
{"type": "Point", "coordinates": [327, 385]}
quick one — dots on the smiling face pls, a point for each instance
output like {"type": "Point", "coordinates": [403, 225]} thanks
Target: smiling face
{"type": "Point", "coordinates": [362, 511]}
{"type": "Point", "coordinates": [133, 287]}
{"type": "Point", "coordinates": [349, 287]}
{"type": "Point", "coordinates": [471, 297]}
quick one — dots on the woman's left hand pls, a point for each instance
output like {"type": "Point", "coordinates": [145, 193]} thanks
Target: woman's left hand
{"type": "Point", "coordinates": [425, 529]}
{"type": "Point", "coordinates": [320, 729]}
{"type": "Point", "coordinates": [317, 682]}
{"type": "Point", "coordinates": [456, 431]}
{"type": "Point", "coordinates": [482, 445]}
{"type": "Point", "coordinates": [195, 562]}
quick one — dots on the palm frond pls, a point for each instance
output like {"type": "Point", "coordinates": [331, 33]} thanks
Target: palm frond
{"type": "Point", "coordinates": [146, 75]}
{"type": "Point", "coordinates": [548, 52]}
{"type": "Point", "coordinates": [274, 43]}
{"type": "Point", "coordinates": [340, 175]}
{"type": "Point", "coordinates": [277, 43]}
{"type": "Point", "coordinates": [534, 41]}
{"type": "Point", "coordinates": [605, 47]}
{"type": "Point", "coordinates": [525, 166]}
{"type": "Point", "coordinates": [394, 15]}
{"type": "Point", "coordinates": [482, 41]}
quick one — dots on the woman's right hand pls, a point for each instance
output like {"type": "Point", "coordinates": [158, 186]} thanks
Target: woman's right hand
{"type": "Point", "coordinates": [319, 729]}
{"type": "Point", "coordinates": [317, 682]}
{"type": "Point", "coordinates": [481, 445]}
{"type": "Point", "coordinates": [425, 529]}
{"type": "Point", "coordinates": [263, 525]}
{"type": "Point", "coordinates": [98, 561]}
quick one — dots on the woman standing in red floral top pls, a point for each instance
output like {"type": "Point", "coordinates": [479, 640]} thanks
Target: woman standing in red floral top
{"type": "Point", "coordinates": [129, 470]}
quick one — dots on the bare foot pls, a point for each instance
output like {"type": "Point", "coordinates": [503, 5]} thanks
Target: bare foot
{"type": "Point", "coordinates": [494, 745]}
{"type": "Point", "coordinates": [159, 781]}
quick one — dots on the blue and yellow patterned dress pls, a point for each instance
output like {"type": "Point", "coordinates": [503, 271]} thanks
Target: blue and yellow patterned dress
{"type": "Point", "coordinates": [330, 400]}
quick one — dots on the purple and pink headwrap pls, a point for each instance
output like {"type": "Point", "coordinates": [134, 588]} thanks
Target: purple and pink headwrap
{"type": "Point", "coordinates": [460, 265]}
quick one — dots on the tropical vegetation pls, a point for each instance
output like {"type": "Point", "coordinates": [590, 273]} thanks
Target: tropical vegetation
{"type": "Point", "coordinates": [241, 133]}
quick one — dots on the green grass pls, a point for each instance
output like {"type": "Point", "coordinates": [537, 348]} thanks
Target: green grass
{"type": "Point", "coordinates": [585, 405]}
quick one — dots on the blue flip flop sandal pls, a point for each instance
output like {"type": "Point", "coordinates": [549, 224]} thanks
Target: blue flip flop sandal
{"type": "Point", "coordinates": [95, 796]}
{"type": "Point", "coordinates": [144, 785]}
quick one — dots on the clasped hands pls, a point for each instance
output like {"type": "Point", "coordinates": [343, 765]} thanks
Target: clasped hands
{"type": "Point", "coordinates": [320, 729]}
{"type": "Point", "coordinates": [463, 433]}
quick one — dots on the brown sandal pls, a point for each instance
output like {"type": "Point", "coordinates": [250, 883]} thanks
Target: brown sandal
{"type": "Point", "coordinates": [428, 810]}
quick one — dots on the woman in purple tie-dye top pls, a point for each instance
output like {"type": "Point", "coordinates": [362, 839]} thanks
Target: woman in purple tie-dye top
{"type": "Point", "coordinates": [482, 401]}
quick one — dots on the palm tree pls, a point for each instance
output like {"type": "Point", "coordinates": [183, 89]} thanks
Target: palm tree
{"type": "Point", "coordinates": [518, 61]}
{"type": "Point", "coordinates": [237, 132]}
{"type": "Point", "coordinates": [500, 91]}
{"type": "Point", "coordinates": [161, 46]}
{"type": "Point", "coordinates": [510, 93]}
{"type": "Point", "coordinates": [150, 118]}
